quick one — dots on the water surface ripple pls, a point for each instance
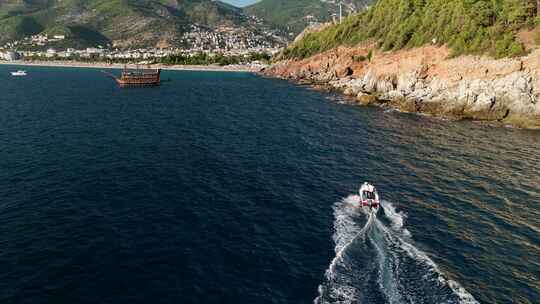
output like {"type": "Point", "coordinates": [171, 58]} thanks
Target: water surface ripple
{"type": "Point", "coordinates": [222, 188]}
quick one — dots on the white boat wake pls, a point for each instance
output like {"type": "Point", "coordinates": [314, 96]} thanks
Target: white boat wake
{"type": "Point", "coordinates": [378, 263]}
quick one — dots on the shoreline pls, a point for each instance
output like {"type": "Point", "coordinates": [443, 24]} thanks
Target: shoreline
{"type": "Point", "coordinates": [100, 65]}
{"type": "Point", "coordinates": [426, 80]}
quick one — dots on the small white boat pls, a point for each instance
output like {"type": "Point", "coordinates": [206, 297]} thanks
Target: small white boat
{"type": "Point", "coordinates": [369, 198]}
{"type": "Point", "coordinates": [19, 73]}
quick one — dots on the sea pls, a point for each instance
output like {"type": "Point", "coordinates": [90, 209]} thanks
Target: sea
{"type": "Point", "coordinates": [222, 187]}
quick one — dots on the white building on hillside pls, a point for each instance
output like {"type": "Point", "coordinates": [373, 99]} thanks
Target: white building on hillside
{"type": "Point", "coordinates": [51, 52]}
{"type": "Point", "coordinates": [10, 56]}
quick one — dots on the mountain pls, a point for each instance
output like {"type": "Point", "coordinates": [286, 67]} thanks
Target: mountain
{"type": "Point", "coordinates": [120, 23]}
{"type": "Point", "coordinates": [294, 16]}
{"type": "Point", "coordinates": [489, 27]}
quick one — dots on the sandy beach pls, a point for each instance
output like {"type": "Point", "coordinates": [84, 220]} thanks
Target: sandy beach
{"type": "Point", "coordinates": [101, 65]}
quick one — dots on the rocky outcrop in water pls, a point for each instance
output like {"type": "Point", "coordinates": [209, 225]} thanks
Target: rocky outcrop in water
{"type": "Point", "coordinates": [427, 80]}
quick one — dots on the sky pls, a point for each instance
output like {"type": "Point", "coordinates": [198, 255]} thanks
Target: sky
{"type": "Point", "coordinates": [240, 2]}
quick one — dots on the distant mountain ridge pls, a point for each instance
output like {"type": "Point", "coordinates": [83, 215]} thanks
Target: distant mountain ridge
{"type": "Point", "coordinates": [123, 23]}
{"type": "Point", "coordinates": [294, 16]}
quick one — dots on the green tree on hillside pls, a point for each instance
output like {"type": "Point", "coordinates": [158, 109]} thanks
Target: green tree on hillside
{"type": "Point", "coordinates": [466, 26]}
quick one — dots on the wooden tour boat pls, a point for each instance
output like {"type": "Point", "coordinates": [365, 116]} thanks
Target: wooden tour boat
{"type": "Point", "coordinates": [138, 77]}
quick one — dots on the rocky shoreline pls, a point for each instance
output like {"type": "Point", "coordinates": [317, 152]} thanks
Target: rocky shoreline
{"type": "Point", "coordinates": [427, 80]}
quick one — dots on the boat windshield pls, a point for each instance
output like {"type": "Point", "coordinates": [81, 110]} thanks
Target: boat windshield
{"type": "Point", "coordinates": [369, 195]}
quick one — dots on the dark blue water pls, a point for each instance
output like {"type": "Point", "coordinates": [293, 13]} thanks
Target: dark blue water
{"type": "Point", "coordinates": [231, 188]}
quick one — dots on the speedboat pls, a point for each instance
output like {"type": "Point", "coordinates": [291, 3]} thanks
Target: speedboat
{"type": "Point", "coordinates": [19, 73]}
{"type": "Point", "coordinates": [369, 198]}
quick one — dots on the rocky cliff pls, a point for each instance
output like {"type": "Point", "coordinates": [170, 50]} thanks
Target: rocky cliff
{"type": "Point", "coordinates": [427, 80]}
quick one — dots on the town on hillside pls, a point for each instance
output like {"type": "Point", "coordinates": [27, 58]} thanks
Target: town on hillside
{"type": "Point", "coordinates": [223, 41]}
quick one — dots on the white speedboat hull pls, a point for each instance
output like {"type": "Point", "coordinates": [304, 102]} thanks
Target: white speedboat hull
{"type": "Point", "coordinates": [369, 198]}
{"type": "Point", "coordinates": [18, 73]}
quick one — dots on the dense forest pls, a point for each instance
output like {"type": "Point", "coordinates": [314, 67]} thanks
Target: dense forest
{"type": "Point", "coordinates": [466, 26]}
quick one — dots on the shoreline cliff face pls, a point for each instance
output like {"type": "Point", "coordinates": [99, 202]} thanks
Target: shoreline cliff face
{"type": "Point", "coordinates": [427, 80]}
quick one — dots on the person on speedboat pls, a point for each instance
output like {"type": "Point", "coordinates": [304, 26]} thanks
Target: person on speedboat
{"type": "Point", "coordinates": [371, 196]}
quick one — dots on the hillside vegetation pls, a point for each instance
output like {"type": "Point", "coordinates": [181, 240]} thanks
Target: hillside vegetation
{"type": "Point", "coordinates": [288, 15]}
{"type": "Point", "coordinates": [132, 22]}
{"type": "Point", "coordinates": [291, 15]}
{"type": "Point", "coordinates": [466, 26]}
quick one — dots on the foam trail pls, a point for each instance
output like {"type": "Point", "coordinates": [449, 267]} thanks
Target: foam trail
{"type": "Point", "coordinates": [396, 218]}
{"type": "Point", "coordinates": [464, 296]}
{"type": "Point", "coordinates": [347, 232]}
{"type": "Point", "coordinates": [339, 253]}
{"type": "Point", "coordinates": [387, 276]}
{"type": "Point", "coordinates": [375, 263]}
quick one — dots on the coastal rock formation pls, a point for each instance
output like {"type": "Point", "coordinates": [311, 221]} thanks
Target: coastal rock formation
{"type": "Point", "coordinates": [428, 80]}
